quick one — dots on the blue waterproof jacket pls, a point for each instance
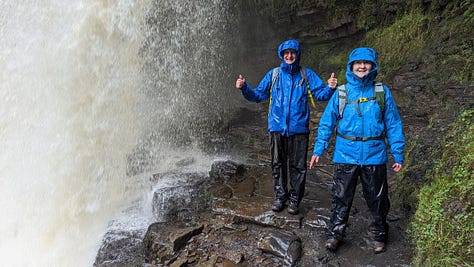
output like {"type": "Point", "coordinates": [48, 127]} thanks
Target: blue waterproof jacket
{"type": "Point", "coordinates": [289, 108]}
{"type": "Point", "coordinates": [370, 123]}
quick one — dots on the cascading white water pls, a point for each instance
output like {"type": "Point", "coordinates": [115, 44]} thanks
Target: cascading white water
{"type": "Point", "coordinates": [186, 59]}
{"type": "Point", "coordinates": [83, 85]}
{"type": "Point", "coordinates": [70, 77]}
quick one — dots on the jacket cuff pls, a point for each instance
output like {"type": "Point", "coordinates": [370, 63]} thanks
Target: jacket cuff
{"type": "Point", "coordinates": [319, 149]}
{"type": "Point", "coordinates": [398, 158]}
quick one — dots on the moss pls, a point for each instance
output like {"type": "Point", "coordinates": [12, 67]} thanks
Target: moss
{"type": "Point", "coordinates": [408, 182]}
{"type": "Point", "coordinates": [443, 224]}
{"type": "Point", "coordinates": [324, 61]}
{"type": "Point", "coordinates": [401, 42]}
{"type": "Point", "coordinates": [454, 43]}
{"type": "Point", "coordinates": [276, 8]}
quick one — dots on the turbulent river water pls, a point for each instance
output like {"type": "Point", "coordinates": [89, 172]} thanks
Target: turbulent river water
{"type": "Point", "coordinates": [94, 95]}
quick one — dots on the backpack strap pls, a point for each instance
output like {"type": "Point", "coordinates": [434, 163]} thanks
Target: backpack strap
{"type": "Point", "coordinates": [361, 138]}
{"type": "Point", "coordinates": [379, 96]}
{"type": "Point", "coordinates": [342, 95]}
{"type": "Point", "coordinates": [379, 93]}
{"type": "Point", "coordinates": [304, 79]}
{"type": "Point", "coordinates": [274, 78]}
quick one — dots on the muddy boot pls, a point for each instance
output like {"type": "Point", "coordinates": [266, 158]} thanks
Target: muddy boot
{"type": "Point", "coordinates": [332, 244]}
{"type": "Point", "coordinates": [379, 247]}
{"type": "Point", "coordinates": [293, 208]}
{"type": "Point", "coordinates": [278, 205]}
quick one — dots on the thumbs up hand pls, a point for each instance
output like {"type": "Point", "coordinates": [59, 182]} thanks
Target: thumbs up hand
{"type": "Point", "coordinates": [240, 82]}
{"type": "Point", "coordinates": [332, 82]}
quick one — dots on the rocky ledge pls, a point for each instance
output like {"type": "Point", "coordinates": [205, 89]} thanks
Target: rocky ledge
{"type": "Point", "coordinates": [225, 219]}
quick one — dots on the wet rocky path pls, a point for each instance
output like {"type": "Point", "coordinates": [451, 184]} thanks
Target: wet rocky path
{"type": "Point", "coordinates": [252, 196]}
{"type": "Point", "coordinates": [225, 218]}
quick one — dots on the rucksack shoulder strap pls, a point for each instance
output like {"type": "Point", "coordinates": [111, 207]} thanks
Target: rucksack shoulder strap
{"type": "Point", "coordinates": [274, 77]}
{"type": "Point", "coordinates": [342, 95]}
{"type": "Point", "coordinates": [379, 93]}
{"type": "Point", "coordinates": [304, 78]}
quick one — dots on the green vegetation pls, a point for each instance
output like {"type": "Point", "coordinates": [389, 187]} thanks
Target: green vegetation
{"type": "Point", "coordinates": [400, 43]}
{"type": "Point", "coordinates": [275, 8]}
{"type": "Point", "coordinates": [455, 44]}
{"type": "Point", "coordinates": [416, 35]}
{"type": "Point", "coordinates": [443, 224]}
{"type": "Point", "coordinates": [317, 55]}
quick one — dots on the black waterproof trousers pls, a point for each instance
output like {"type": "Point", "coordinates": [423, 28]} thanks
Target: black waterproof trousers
{"type": "Point", "coordinates": [375, 191]}
{"type": "Point", "coordinates": [289, 154]}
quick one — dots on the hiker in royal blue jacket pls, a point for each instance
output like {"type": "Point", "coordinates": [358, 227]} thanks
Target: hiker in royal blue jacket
{"type": "Point", "coordinates": [288, 120]}
{"type": "Point", "coordinates": [364, 126]}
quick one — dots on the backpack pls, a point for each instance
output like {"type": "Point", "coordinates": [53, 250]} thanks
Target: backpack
{"type": "Point", "coordinates": [379, 96]}
{"type": "Point", "coordinates": [304, 79]}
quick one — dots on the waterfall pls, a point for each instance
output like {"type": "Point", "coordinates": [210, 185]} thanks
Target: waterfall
{"type": "Point", "coordinates": [93, 93]}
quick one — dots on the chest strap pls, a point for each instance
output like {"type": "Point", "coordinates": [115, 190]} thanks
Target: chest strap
{"type": "Point", "coordinates": [360, 138]}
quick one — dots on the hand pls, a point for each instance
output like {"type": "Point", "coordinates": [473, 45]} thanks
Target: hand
{"type": "Point", "coordinates": [314, 160]}
{"type": "Point", "coordinates": [240, 82]}
{"type": "Point", "coordinates": [396, 167]}
{"type": "Point", "coordinates": [332, 82]}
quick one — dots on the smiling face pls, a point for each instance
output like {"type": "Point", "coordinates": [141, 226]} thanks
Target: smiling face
{"type": "Point", "coordinates": [361, 68]}
{"type": "Point", "coordinates": [289, 56]}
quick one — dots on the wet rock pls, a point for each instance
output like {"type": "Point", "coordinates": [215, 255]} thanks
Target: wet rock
{"type": "Point", "coordinates": [235, 257]}
{"type": "Point", "coordinates": [249, 211]}
{"type": "Point", "coordinates": [316, 221]}
{"type": "Point", "coordinates": [185, 162]}
{"type": "Point", "coordinates": [210, 262]}
{"type": "Point", "coordinates": [220, 191]}
{"type": "Point", "coordinates": [157, 247]}
{"type": "Point", "coordinates": [181, 237]}
{"type": "Point", "coordinates": [282, 244]}
{"type": "Point", "coordinates": [226, 170]}
{"type": "Point", "coordinates": [120, 248]}
{"type": "Point", "coordinates": [179, 263]}
{"type": "Point", "coordinates": [181, 198]}
{"type": "Point", "coordinates": [227, 263]}
{"type": "Point", "coordinates": [161, 241]}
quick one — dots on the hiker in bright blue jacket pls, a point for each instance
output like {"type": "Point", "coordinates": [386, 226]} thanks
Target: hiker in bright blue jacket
{"type": "Point", "coordinates": [288, 120]}
{"type": "Point", "coordinates": [364, 127]}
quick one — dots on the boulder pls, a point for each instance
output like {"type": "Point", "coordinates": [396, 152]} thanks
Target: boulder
{"type": "Point", "coordinates": [226, 170]}
{"type": "Point", "coordinates": [282, 244]}
{"type": "Point", "coordinates": [162, 240]}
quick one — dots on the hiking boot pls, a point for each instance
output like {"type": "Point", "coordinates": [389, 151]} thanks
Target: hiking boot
{"type": "Point", "coordinates": [293, 208]}
{"type": "Point", "coordinates": [379, 247]}
{"type": "Point", "coordinates": [278, 205]}
{"type": "Point", "coordinates": [332, 244]}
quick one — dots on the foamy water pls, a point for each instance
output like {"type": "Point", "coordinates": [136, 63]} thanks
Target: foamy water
{"type": "Point", "coordinates": [86, 84]}
{"type": "Point", "coordinates": [70, 77]}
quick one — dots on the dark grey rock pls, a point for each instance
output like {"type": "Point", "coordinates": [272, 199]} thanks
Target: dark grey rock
{"type": "Point", "coordinates": [226, 170]}
{"type": "Point", "coordinates": [282, 244]}
{"type": "Point", "coordinates": [162, 240]}
{"type": "Point", "coordinates": [120, 248]}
